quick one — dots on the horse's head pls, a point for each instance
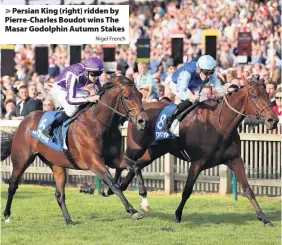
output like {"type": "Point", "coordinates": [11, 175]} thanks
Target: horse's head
{"type": "Point", "coordinates": [258, 104]}
{"type": "Point", "coordinates": [129, 101]}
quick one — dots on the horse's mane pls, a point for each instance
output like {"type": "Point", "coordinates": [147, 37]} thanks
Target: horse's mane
{"type": "Point", "coordinates": [111, 84]}
{"type": "Point", "coordinates": [209, 104]}
{"type": "Point", "coordinates": [106, 87]}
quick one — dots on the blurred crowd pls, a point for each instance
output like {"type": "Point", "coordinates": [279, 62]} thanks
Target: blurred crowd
{"type": "Point", "coordinates": [27, 91]}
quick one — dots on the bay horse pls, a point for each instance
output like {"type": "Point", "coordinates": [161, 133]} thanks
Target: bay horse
{"type": "Point", "coordinates": [94, 142]}
{"type": "Point", "coordinates": [208, 137]}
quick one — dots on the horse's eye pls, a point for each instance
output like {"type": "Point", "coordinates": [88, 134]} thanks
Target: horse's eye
{"type": "Point", "coordinates": [127, 98]}
{"type": "Point", "coordinates": [255, 96]}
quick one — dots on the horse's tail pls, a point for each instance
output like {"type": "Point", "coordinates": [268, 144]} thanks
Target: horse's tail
{"type": "Point", "coordinates": [6, 144]}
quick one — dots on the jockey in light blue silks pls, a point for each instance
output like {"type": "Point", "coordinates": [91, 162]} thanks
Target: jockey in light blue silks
{"type": "Point", "coordinates": [188, 80]}
{"type": "Point", "coordinates": [68, 90]}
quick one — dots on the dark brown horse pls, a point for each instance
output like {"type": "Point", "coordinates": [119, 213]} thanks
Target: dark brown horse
{"type": "Point", "coordinates": [208, 136]}
{"type": "Point", "coordinates": [94, 142]}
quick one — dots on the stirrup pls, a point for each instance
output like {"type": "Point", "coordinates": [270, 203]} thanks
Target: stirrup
{"type": "Point", "coordinates": [166, 127]}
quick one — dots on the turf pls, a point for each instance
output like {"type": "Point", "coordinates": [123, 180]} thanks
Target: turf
{"type": "Point", "coordinates": [207, 219]}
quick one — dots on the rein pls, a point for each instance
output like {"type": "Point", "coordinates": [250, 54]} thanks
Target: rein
{"type": "Point", "coordinates": [127, 115]}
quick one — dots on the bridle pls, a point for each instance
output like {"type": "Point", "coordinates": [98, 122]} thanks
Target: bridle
{"type": "Point", "coordinates": [125, 107]}
{"type": "Point", "coordinates": [258, 113]}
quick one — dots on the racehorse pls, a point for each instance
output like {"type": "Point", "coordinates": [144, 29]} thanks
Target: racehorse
{"type": "Point", "coordinates": [94, 142]}
{"type": "Point", "coordinates": [207, 137]}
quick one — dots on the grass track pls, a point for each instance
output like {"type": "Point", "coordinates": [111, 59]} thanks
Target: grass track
{"type": "Point", "coordinates": [207, 219]}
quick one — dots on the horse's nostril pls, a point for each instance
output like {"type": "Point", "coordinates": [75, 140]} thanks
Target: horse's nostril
{"type": "Point", "coordinates": [270, 120]}
{"type": "Point", "coordinates": [141, 121]}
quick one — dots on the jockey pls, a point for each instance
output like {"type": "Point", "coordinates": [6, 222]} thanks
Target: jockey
{"type": "Point", "coordinates": [69, 91]}
{"type": "Point", "coordinates": [189, 79]}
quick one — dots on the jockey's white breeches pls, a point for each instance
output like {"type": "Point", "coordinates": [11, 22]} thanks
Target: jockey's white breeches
{"type": "Point", "coordinates": [60, 95]}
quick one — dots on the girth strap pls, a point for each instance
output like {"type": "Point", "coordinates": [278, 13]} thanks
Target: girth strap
{"type": "Point", "coordinates": [67, 153]}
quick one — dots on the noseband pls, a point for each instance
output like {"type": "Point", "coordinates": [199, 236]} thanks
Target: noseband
{"type": "Point", "coordinates": [258, 113]}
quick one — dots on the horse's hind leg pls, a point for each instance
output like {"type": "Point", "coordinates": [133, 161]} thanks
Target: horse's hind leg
{"type": "Point", "coordinates": [21, 161]}
{"type": "Point", "coordinates": [237, 166]}
{"type": "Point", "coordinates": [193, 174]}
{"type": "Point", "coordinates": [60, 178]}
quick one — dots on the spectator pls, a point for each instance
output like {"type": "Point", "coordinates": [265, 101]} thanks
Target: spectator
{"type": "Point", "coordinates": [53, 69]}
{"type": "Point", "coordinates": [161, 89]}
{"type": "Point", "coordinates": [278, 107]}
{"type": "Point", "coordinates": [207, 93]}
{"type": "Point", "coordinates": [25, 106]}
{"type": "Point", "coordinates": [265, 77]}
{"type": "Point", "coordinates": [48, 105]}
{"type": "Point", "coordinates": [144, 89]}
{"type": "Point", "coordinates": [32, 91]}
{"type": "Point", "coordinates": [122, 64]}
{"type": "Point", "coordinates": [10, 106]}
{"type": "Point", "coordinates": [104, 78]}
{"type": "Point", "coordinates": [145, 78]}
{"type": "Point", "coordinates": [22, 73]}
{"type": "Point", "coordinates": [167, 83]}
{"type": "Point", "coordinates": [7, 85]}
{"type": "Point", "coordinates": [270, 89]}
{"type": "Point", "coordinates": [230, 75]}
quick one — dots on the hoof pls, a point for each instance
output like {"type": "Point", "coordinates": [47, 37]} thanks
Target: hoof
{"type": "Point", "coordinates": [104, 194]}
{"type": "Point", "coordinates": [145, 209]}
{"type": "Point", "coordinates": [177, 220]}
{"type": "Point", "coordinates": [7, 220]}
{"type": "Point", "coordinates": [269, 224]}
{"type": "Point", "coordinates": [69, 223]}
{"type": "Point", "coordinates": [136, 216]}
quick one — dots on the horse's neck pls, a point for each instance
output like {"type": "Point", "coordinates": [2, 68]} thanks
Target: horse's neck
{"type": "Point", "coordinates": [230, 120]}
{"type": "Point", "coordinates": [102, 113]}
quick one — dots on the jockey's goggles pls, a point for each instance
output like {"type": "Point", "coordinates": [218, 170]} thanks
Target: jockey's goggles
{"type": "Point", "coordinates": [207, 72]}
{"type": "Point", "coordinates": [95, 73]}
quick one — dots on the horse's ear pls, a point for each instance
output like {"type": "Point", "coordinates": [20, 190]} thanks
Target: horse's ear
{"type": "Point", "coordinates": [247, 81]}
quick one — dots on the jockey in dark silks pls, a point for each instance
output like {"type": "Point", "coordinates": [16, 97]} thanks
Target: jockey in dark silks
{"type": "Point", "coordinates": [69, 91]}
{"type": "Point", "coordinates": [189, 79]}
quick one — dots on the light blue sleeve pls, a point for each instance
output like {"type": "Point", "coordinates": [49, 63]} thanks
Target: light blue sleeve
{"type": "Point", "coordinates": [183, 82]}
{"type": "Point", "coordinates": [215, 82]}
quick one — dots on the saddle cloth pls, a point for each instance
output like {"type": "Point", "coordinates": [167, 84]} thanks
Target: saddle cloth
{"type": "Point", "coordinates": [174, 129]}
{"type": "Point", "coordinates": [54, 143]}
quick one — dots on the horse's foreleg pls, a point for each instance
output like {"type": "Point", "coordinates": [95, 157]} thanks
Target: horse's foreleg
{"type": "Point", "coordinates": [21, 161]}
{"type": "Point", "coordinates": [97, 165]}
{"type": "Point", "coordinates": [193, 174]}
{"type": "Point", "coordinates": [127, 180]}
{"type": "Point", "coordinates": [109, 192]}
{"type": "Point", "coordinates": [152, 153]}
{"type": "Point", "coordinates": [60, 178]}
{"type": "Point", "coordinates": [237, 166]}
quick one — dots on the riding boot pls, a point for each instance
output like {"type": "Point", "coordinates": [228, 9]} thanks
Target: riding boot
{"type": "Point", "coordinates": [170, 120]}
{"type": "Point", "coordinates": [180, 107]}
{"type": "Point", "coordinates": [49, 131]}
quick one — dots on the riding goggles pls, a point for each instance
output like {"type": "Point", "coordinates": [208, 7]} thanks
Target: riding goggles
{"type": "Point", "coordinates": [95, 73]}
{"type": "Point", "coordinates": [207, 72]}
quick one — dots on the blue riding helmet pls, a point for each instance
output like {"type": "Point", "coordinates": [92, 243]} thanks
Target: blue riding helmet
{"type": "Point", "coordinates": [207, 64]}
